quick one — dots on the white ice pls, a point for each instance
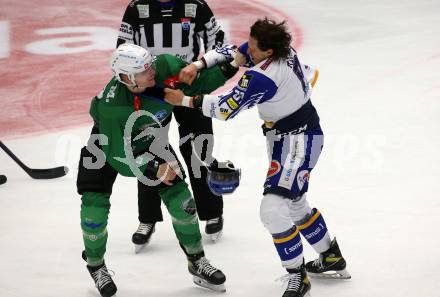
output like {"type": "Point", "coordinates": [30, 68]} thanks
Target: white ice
{"type": "Point", "coordinates": [377, 182]}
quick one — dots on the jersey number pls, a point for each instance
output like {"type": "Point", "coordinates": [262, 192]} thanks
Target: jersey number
{"type": "Point", "coordinates": [293, 63]}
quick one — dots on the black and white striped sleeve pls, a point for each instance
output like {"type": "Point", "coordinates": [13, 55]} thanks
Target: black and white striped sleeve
{"type": "Point", "coordinates": [208, 28]}
{"type": "Point", "coordinates": [129, 29]}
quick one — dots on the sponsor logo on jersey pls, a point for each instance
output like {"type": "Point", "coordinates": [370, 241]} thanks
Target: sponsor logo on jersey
{"type": "Point", "coordinates": [186, 23]}
{"type": "Point", "coordinates": [144, 11]}
{"type": "Point", "coordinates": [225, 112]}
{"type": "Point", "coordinates": [190, 10]}
{"type": "Point", "coordinates": [232, 103]}
{"type": "Point", "coordinates": [288, 174]}
{"type": "Point", "coordinates": [161, 114]}
{"type": "Point", "coordinates": [212, 110]}
{"type": "Point", "coordinates": [244, 81]}
{"type": "Point", "coordinates": [182, 56]}
{"type": "Point", "coordinates": [125, 31]}
{"type": "Point", "coordinates": [302, 178]}
{"type": "Point", "coordinates": [274, 168]}
{"type": "Point", "coordinates": [126, 28]}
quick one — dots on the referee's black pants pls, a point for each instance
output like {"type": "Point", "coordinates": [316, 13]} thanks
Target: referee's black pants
{"type": "Point", "coordinates": [208, 205]}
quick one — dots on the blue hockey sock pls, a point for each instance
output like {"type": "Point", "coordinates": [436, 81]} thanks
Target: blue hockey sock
{"type": "Point", "coordinates": [289, 247]}
{"type": "Point", "coordinates": [315, 232]}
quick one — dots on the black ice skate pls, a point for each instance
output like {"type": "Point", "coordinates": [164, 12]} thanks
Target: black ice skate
{"type": "Point", "coordinates": [142, 236]}
{"type": "Point", "coordinates": [298, 284]}
{"type": "Point", "coordinates": [214, 228]}
{"type": "Point", "coordinates": [103, 280]}
{"type": "Point", "coordinates": [330, 264]}
{"type": "Point", "coordinates": [206, 275]}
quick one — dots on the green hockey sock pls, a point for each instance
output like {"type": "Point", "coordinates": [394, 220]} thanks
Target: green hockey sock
{"type": "Point", "coordinates": [182, 209]}
{"type": "Point", "coordinates": [94, 216]}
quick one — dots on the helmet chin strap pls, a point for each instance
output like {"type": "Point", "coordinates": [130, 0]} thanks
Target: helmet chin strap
{"type": "Point", "coordinates": [134, 84]}
{"type": "Point", "coordinates": [132, 80]}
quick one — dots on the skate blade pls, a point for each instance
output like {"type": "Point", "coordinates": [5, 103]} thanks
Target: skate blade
{"type": "Point", "coordinates": [203, 283]}
{"type": "Point", "coordinates": [339, 274]}
{"type": "Point", "coordinates": [139, 248]}
{"type": "Point", "coordinates": [216, 236]}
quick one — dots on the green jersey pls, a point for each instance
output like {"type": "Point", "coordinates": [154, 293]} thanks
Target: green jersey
{"type": "Point", "coordinates": [115, 105]}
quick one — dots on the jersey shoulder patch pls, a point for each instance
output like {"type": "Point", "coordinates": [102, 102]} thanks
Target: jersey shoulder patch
{"type": "Point", "coordinates": [190, 10]}
{"type": "Point", "coordinates": [143, 10]}
{"type": "Point", "coordinates": [244, 80]}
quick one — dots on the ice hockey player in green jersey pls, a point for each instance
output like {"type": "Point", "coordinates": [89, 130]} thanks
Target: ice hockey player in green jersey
{"type": "Point", "coordinates": [130, 137]}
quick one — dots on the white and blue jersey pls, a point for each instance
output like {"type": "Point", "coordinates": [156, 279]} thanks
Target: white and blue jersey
{"type": "Point", "coordinates": [281, 90]}
{"type": "Point", "coordinates": [278, 88]}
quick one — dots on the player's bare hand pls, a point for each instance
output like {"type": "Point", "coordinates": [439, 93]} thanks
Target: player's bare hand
{"type": "Point", "coordinates": [174, 97]}
{"type": "Point", "coordinates": [240, 59]}
{"type": "Point", "coordinates": [166, 174]}
{"type": "Point", "coordinates": [188, 74]}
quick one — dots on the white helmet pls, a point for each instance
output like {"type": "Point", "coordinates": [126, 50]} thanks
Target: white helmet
{"type": "Point", "coordinates": [130, 59]}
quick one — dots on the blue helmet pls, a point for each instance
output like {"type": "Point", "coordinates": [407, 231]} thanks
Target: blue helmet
{"type": "Point", "coordinates": [223, 178]}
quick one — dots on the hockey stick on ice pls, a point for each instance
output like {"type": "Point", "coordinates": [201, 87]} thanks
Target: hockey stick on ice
{"type": "Point", "coordinates": [37, 173]}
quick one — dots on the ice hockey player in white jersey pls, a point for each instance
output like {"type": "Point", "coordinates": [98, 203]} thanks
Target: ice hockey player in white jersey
{"type": "Point", "coordinates": [280, 87]}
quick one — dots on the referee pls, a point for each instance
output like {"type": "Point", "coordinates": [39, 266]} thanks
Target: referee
{"type": "Point", "coordinates": [181, 28]}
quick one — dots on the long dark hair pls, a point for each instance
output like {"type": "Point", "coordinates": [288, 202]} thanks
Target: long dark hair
{"type": "Point", "coordinates": [271, 35]}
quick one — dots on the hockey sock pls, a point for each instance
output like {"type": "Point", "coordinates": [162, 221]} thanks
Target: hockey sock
{"type": "Point", "coordinates": [289, 247]}
{"type": "Point", "coordinates": [315, 232]}
{"type": "Point", "coordinates": [94, 215]}
{"type": "Point", "coordinates": [182, 209]}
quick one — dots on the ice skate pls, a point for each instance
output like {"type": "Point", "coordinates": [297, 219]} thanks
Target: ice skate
{"type": "Point", "coordinates": [330, 264]}
{"type": "Point", "coordinates": [206, 275]}
{"type": "Point", "coordinates": [298, 284]}
{"type": "Point", "coordinates": [142, 236]}
{"type": "Point", "coordinates": [214, 228]}
{"type": "Point", "coordinates": [103, 281]}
